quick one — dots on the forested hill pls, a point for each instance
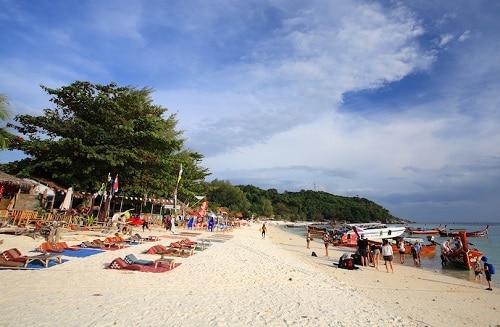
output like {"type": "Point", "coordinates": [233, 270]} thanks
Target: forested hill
{"type": "Point", "coordinates": [314, 206]}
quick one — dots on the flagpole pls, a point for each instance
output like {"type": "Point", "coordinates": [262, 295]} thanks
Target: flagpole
{"type": "Point", "coordinates": [175, 191]}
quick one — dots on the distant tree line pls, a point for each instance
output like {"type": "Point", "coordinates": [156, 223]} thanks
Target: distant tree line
{"type": "Point", "coordinates": [305, 205]}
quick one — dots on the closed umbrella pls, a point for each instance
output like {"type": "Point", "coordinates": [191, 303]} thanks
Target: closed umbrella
{"type": "Point", "coordinates": [66, 204]}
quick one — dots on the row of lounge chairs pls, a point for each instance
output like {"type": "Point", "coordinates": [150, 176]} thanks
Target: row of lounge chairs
{"type": "Point", "coordinates": [14, 258]}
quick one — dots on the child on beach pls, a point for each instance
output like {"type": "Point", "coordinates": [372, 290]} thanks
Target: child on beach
{"type": "Point", "coordinates": [478, 271]}
{"type": "Point", "coordinates": [308, 238]}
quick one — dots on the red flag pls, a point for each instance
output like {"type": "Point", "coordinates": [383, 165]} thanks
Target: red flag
{"type": "Point", "coordinates": [115, 184]}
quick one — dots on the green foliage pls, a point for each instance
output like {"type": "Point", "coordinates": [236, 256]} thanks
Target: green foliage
{"type": "Point", "coordinates": [223, 194]}
{"type": "Point", "coordinates": [97, 129]}
{"type": "Point", "coordinates": [313, 206]}
{"type": "Point", "coordinates": [4, 115]}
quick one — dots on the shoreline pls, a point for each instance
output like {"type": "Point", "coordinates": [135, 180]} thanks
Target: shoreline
{"type": "Point", "coordinates": [238, 281]}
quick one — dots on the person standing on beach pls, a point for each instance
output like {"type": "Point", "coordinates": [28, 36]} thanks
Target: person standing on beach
{"type": "Point", "coordinates": [363, 250]}
{"type": "Point", "coordinates": [487, 273]}
{"type": "Point", "coordinates": [418, 247]}
{"type": "Point", "coordinates": [402, 251]}
{"type": "Point", "coordinates": [308, 238]}
{"type": "Point", "coordinates": [387, 254]}
{"type": "Point", "coordinates": [326, 240]}
{"type": "Point", "coordinates": [263, 230]}
{"type": "Point", "coordinates": [375, 250]}
{"type": "Point", "coordinates": [478, 271]}
{"type": "Point", "coordinates": [414, 254]}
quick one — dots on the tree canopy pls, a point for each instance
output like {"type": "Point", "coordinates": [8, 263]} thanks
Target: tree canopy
{"type": "Point", "coordinates": [95, 130]}
{"type": "Point", "coordinates": [4, 115]}
{"type": "Point", "coordinates": [303, 205]}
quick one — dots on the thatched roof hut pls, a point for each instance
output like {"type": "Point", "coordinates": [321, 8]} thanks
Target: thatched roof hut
{"type": "Point", "coordinates": [9, 180]}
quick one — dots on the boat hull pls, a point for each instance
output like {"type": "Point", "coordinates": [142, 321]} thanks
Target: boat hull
{"type": "Point", "coordinates": [465, 257]}
{"type": "Point", "coordinates": [452, 233]}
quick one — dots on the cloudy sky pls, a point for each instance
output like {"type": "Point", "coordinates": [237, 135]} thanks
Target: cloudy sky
{"type": "Point", "coordinates": [394, 101]}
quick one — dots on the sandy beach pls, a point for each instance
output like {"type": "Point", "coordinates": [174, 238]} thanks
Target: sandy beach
{"type": "Point", "coordinates": [238, 280]}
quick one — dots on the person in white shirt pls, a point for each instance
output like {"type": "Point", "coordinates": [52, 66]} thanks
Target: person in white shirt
{"type": "Point", "coordinates": [387, 254]}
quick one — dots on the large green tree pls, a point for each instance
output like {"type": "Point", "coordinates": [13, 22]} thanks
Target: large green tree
{"type": "Point", "coordinates": [95, 130]}
{"type": "Point", "coordinates": [4, 115]}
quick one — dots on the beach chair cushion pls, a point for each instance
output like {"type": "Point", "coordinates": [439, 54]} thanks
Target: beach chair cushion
{"type": "Point", "coordinates": [119, 263]}
{"type": "Point", "coordinates": [132, 259]}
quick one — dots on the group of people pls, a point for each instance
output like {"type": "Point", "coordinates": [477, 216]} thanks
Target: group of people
{"type": "Point", "coordinates": [370, 252]}
{"type": "Point", "coordinates": [415, 250]}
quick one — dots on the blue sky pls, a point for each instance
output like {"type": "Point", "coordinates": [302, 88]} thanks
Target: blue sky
{"type": "Point", "coordinates": [394, 101]}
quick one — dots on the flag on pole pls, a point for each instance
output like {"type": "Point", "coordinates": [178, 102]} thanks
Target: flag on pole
{"type": "Point", "coordinates": [180, 175]}
{"type": "Point", "coordinates": [115, 185]}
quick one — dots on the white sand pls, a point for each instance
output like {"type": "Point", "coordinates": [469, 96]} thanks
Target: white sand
{"type": "Point", "coordinates": [244, 281]}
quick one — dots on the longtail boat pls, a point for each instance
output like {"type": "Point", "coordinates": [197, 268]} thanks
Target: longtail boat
{"type": "Point", "coordinates": [464, 257]}
{"type": "Point", "coordinates": [455, 232]}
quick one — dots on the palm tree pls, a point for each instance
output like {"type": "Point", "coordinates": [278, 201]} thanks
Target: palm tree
{"type": "Point", "coordinates": [4, 115]}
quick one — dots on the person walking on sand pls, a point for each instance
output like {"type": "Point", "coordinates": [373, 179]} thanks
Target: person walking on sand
{"type": "Point", "coordinates": [263, 230]}
{"type": "Point", "coordinates": [145, 223]}
{"type": "Point", "coordinates": [326, 240]}
{"type": "Point", "coordinates": [308, 238]}
{"type": "Point", "coordinates": [387, 254]}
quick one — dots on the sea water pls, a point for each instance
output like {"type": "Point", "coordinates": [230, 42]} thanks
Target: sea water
{"type": "Point", "coordinates": [489, 245]}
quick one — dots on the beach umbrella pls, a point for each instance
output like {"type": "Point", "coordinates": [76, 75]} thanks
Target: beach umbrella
{"type": "Point", "coordinates": [66, 204]}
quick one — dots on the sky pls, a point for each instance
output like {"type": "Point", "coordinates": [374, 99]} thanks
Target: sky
{"type": "Point", "coordinates": [393, 101]}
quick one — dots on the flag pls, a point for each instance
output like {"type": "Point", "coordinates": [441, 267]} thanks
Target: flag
{"type": "Point", "coordinates": [102, 189]}
{"type": "Point", "coordinates": [115, 184]}
{"type": "Point", "coordinates": [180, 175]}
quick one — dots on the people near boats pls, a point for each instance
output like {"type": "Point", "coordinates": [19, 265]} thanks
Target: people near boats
{"type": "Point", "coordinates": [375, 253]}
{"type": "Point", "coordinates": [308, 238]}
{"type": "Point", "coordinates": [457, 244]}
{"type": "Point", "coordinates": [478, 271]}
{"type": "Point", "coordinates": [418, 247]}
{"type": "Point", "coordinates": [414, 255]}
{"type": "Point", "coordinates": [487, 272]}
{"type": "Point", "coordinates": [402, 251]}
{"type": "Point", "coordinates": [326, 240]}
{"type": "Point", "coordinates": [387, 254]}
{"type": "Point", "coordinates": [445, 248]}
{"type": "Point", "coordinates": [363, 250]}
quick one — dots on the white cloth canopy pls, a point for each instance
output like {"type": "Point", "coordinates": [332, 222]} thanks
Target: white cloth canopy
{"type": "Point", "coordinates": [68, 199]}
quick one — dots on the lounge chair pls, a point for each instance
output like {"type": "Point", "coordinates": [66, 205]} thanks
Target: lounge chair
{"type": "Point", "coordinates": [131, 259]}
{"type": "Point", "coordinates": [119, 263]}
{"type": "Point", "coordinates": [114, 241]}
{"type": "Point", "coordinates": [87, 244]}
{"type": "Point", "coordinates": [64, 246]}
{"type": "Point", "coordinates": [9, 263]}
{"type": "Point", "coordinates": [183, 249]}
{"type": "Point", "coordinates": [14, 255]}
{"type": "Point", "coordinates": [48, 247]}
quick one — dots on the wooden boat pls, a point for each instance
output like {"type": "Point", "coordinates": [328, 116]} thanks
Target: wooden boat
{"type": "Point", "coordinates": [426, 248]}
{"type": "Point", "coordinates": [464, 257]}
{"type": "Point", "coordinates": [425, 230]}
{"type": "Point", "coordinates": [456, 232]}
